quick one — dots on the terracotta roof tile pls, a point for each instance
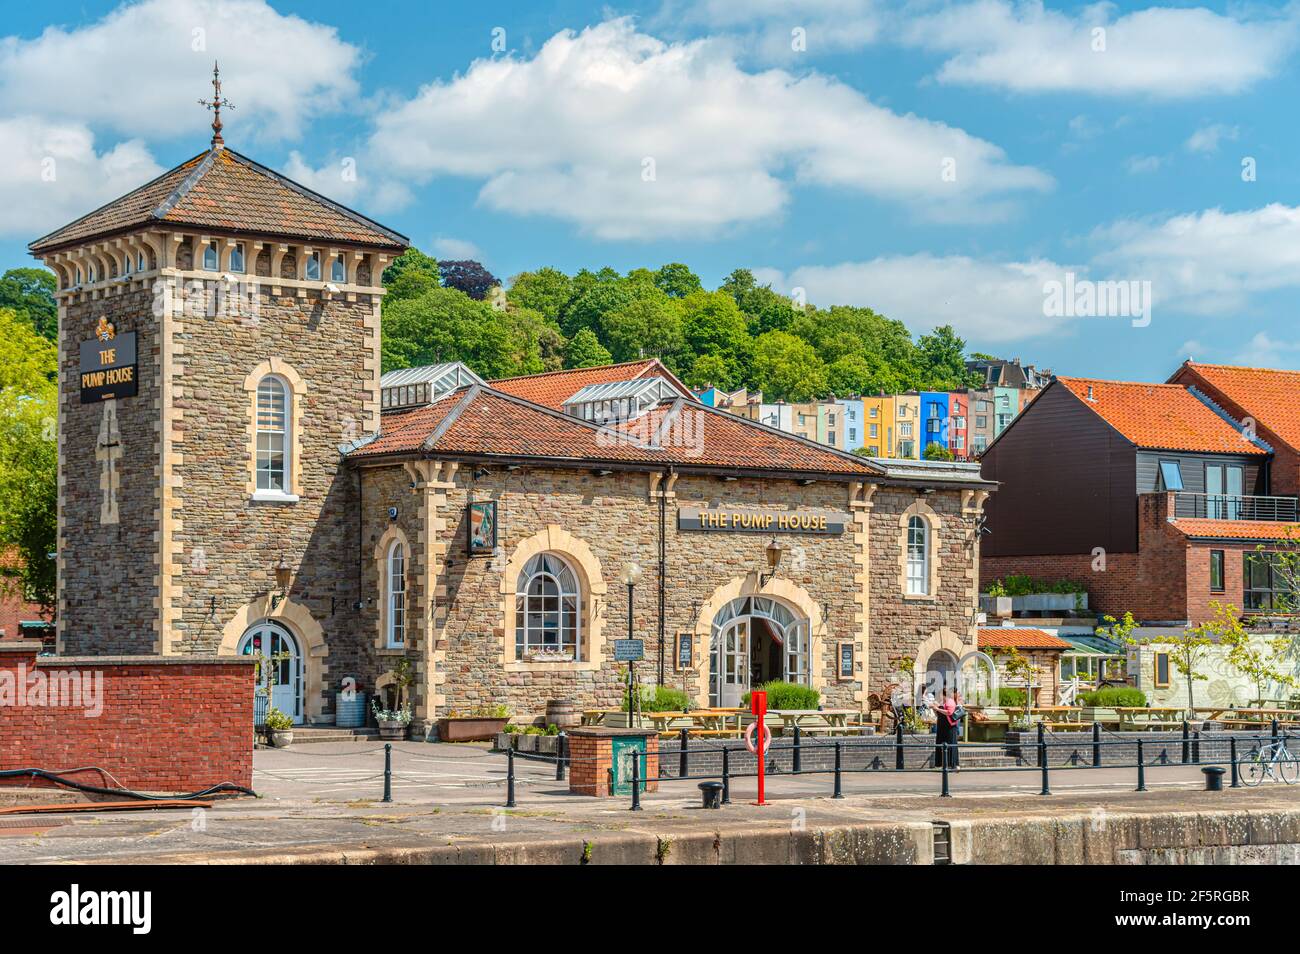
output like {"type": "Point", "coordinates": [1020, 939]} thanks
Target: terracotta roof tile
{"type": "Point", "coordinates": [222, 189]}
{"type": "Point", "coordinates": [1016, 637]}
{"type": "Point", "coordinates": [1160, 416]}
{"type": "Point", "coordinates": [1267, 395]}
{"type": "Point", "coordinates": [1237, 529]}
{"type": "Point", "coordinates": [552, 388]}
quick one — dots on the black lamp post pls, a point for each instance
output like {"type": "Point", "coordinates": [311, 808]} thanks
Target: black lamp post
{"type": "Point", "coordinates": [631, 577]}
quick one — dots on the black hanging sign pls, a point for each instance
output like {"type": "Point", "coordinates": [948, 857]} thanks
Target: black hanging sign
{"type": "Point", "coordinates": [108, 365]}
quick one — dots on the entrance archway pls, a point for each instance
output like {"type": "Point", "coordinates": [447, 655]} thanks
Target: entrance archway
{"type": "Point", "coordinates": [941, 672]}
{"type": "Point", "coordinates": [284, 672]}
{"type": "Point", "coordinates": [756, 639]}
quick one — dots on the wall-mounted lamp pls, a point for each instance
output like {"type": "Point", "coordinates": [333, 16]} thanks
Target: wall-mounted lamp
{"type": "Point", "coordinates": [283, 576]}
{"type": "Point", "coordinates": [773, 551]}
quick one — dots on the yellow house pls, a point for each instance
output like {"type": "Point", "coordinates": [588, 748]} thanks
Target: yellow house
{"type": "Point", "coordinates": [878, 431]}
{"type": "Point", "coordinates": [907, 426]}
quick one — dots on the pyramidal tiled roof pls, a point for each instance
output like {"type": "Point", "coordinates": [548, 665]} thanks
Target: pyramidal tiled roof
{"type": "Point", "coordinates": [223, 190]}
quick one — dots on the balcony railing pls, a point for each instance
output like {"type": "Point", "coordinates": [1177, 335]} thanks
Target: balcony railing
{"type": "Point", "coordinates": [1235, 507]}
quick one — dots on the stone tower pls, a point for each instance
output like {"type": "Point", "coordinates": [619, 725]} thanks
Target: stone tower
{"type": "Point", "coordinates": [218, 342]}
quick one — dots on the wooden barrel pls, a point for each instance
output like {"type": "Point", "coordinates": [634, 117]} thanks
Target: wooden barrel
{"type": "Point", "coordinates": [562, 713]}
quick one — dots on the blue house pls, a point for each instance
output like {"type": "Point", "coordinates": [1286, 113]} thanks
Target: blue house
{"type": "Point", "coordinates": [934, 419]}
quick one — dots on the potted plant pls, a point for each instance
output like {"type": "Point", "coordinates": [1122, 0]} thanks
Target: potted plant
{"type": "Point", "coordinates": [480, 725]}
{"type": "Point", "coordinates": [392, 722]}
{"type": "Point", "coordinates": [279, 728]}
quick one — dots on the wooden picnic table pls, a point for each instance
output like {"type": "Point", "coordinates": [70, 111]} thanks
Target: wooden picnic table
{"type": "Point", "coordinates": [1160, 717]}
{"type": "Point", "coordinates": [710, 721]}
{"type": "Point", "coordinates": [815, 721]}
{"type": "Point", "coordinates": [1216, 713]}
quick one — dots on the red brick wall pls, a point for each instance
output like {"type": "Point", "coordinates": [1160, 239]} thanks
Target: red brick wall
{"type": "Point", "coordinates": [14, 610]}
{"type": "Point", "coordinates": [163, 726]}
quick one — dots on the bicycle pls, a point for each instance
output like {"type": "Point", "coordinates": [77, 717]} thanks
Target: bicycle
{"type": "Point", "coordinates": [1261, 762]}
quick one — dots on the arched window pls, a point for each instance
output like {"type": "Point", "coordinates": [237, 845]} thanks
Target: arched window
{"type": "Point", "coordinates": [210, 256]}
{"type": "Point", "coordinates": [237, 257]}
{"type": "Point", "coordinates": [918, 557]}
{"type": "Point", "coordinates": [338, 270]}
{"type": "Point", "coordinates": [313, 267]}
{"type": "Point", "coordinates": [546, 610]}
{"type": "Point", "coordinates": [396, 628]}
{"type": "Point", "coordinates": [273, 430]}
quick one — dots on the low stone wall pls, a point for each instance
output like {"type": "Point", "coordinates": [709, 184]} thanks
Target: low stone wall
{"type": "Point", "coordinates": [149, 723]}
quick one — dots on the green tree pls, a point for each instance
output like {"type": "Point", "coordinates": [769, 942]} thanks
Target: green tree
{"type": "Point", "coordinates": [645, 328]}
{"type": "Point", "coordinates": [786, 368]}
{"type": "Point", "coordinates": [585, 351]}
{"type": "Point", "coordinates": [943, 361]}
{"type": "Point", "coordinates": [713, 324]}
{"type": "Point", "coordinates": [1187, 650]}
{"type": "Point", "coordinates": [30, 292]}
{"type": "Point", "coordinates": [1261, 658]}
{"type": "Point", "coordinates": [546, 291]}
{"type": "Point", "coordinates": [588, 309]}
{"type": "Point", "coordinates": [444, 324]}
{"type": "Point", "coordinates": [936, 451]}
{"type": "Point", "coordinates": [709, 371]}
{"type": "Point", "coordinates": [861, 374]}
{"type": "Point", "coordinates": [412, 260]}
{"type": "Point", "coordinates": [676, 280]}
{"type": "Point", "coordinates": [28, 459]}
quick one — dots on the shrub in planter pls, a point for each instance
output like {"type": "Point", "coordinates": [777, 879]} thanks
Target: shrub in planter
{"type": "Point", "coordinates": [480, 725]}
{"type": "Point", "coordinates": [1007, 696]}
{"type": "Point", "coordinates": [279, 727]}
{"type": "Point", "coordinates": [1112, 696]}
{"type": "Point", "coordinates": [787, 695]}
{"type": "Point", "coordinates": [659, 699]}
{"type": "Point", "coordinates": [392, 722]}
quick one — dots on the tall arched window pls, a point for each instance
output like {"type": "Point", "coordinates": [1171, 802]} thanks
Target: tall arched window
{"type": "Point", "coordinates": [273, 431]}
{"type": "Point", "coordinates": [210, 256]}
{"type": "Point", "coordinates": [918, 557]}
{"type": "Point", "coordinates": [396, 629]}
{"type": "Point", "coordinates": [338, 270]}
{"type": "Point", "coordinates": [546, 610]}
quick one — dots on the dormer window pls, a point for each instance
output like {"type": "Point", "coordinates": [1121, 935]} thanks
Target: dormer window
{"type": "Point", "coordinates": [210, 256]}
{"type": "Point", "coordinates": [313, 267]}
{"type": "Point", "coordinates": [338, 270]}
{"type": "Point", "coordinates": [237, 257]}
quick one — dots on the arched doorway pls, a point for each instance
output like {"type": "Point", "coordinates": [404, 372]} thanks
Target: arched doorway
{"type": "Point", "coordinates": [284, 672]}
{"type": "Point", "coordinates": [941, 672]}
{"type": "Point", "coordinates": [755, 639]}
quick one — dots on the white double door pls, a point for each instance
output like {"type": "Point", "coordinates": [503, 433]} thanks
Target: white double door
{"type": "Point", "coordinates": [283, 672]}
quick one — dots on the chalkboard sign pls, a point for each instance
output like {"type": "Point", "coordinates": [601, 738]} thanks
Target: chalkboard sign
{"type": "Point", "coordinates": [629, 650]}
{"type": "Point", "coordinates": [846, 660]}
{"type": "Point", "coordinates": [685, 651]}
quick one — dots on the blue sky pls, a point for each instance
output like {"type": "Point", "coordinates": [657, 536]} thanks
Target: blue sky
{"type": "Point", "coordinates": [939, 161]}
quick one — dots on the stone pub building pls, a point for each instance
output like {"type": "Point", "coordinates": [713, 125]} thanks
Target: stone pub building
{"type": "Point", "coordinates": [235, 475]}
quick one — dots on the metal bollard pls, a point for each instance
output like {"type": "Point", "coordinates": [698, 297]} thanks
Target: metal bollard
{"type": "Point", "coordinates": [796, 765]}
{"type": "Point", "coordinates": [636, 781]}
{"type": "Point", "coordinates": [388, 771]}
{"type": "Point", "coordinates": [1041, 742]}
{"type": "Point", "coordinates": [1187, 734]}
{"type": "Point", "coordinates": [943, 768]}
{"type": "Point", "coordinates": [1042, 760]}
{"type": "Point", "coordinates": [726, 776]}
{"type": "Point", "coordinates": [510, 778]}
{"type": "Point", "coordinates": [1096, 745]}
{"type": "Point", "coordinates": [1196, 747]}
{"type": "Point", "coordinates": [1232, 756]}
{"type": "Point", "coordinates": [898, 746]}
{"type": "Point", "coordinates": [1142, 770]}
{"type": "Point", "coordinates": [683, 760]}
{"type": "Point", "coordinates": [839, 792]}
{"type": "Point", "coordinates": [561, 753]}
{"type": "Point", "coordinates": [1274, 728]}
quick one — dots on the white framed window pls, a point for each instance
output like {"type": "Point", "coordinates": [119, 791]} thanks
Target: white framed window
{"type": "Point", "coordinates": [547, 602]}
{"type": "Point", "coordinates": [313, 267]}
{"type": "Point", "coordinates": [395, 630]}
{"type": "Point", "coordinates": [273, 432]}
{"type": "Point", "coordinates": [237, 257]}
{"type": "Point", "coordinates": [126, 266]}
{"type": "Point", "coordinates": [905, 429]}
{"type": "Point", "coordinates": [139, 261]}
{"type": "Point", "coordinates": [338, 270]}
{"type": "Point", "coordinates": [211, 260]}
{"type": "Point", "coordinates": [918, 557]}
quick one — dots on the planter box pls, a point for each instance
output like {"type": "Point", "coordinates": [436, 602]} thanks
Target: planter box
{"type": "Point", "coordinates": [503, 741]}
{"type": "Point", "coordinates": [995, 605]}
{"type": "Point", "coordinates": [547, 744]}
{"type": "Point", "coordinates": [525, 743]}
{"type": "Point", "coordinates": [470, 729]}
{"type": "Point", "coordinates": [1098, 714]}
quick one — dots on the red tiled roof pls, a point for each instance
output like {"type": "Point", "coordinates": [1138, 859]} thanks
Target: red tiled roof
{"type": "Point", "coordinates": [222, 189]}
{"type": "Point", "coordinates": [552, 388]}
{"type": "Point", "coordinates": [1016, 637]}
{"type": "Point", "coordinates": [478, 420]}
{"type": "Point", "coordinates": [1237, 529]}
{"type": "Point", "coordinates": [1160, 416]}
{"type": "Point", "coordinates": [1267, 395]}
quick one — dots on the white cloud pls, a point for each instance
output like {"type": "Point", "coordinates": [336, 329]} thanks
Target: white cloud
{"type": "Point", "coordinates": [1141, 165]}
{"type": "Point", "coordinates": [52, 174]}
{"type": "Point", "coordinates": [1265, 351]}
{"type": "Point", "coordinates": [985, 301]}
{"type": "Point", "coordinates": [1162, 52]}
{"type": "Point", "coordinates": [767, 28]}
{"type": "Point", "coordinates": [455, 249]}
{"type": "Point", "coordinates": [1207, 138]}
{"type": "Point", "coordinates": [1206, 262]}
{"type": "Point", "coordinates": [139, 70]}
{"type": "Point", "coordinates": [631, 137]}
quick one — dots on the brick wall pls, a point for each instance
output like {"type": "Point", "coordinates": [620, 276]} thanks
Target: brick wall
{"type": "Point", "coordinates": [163, 725]}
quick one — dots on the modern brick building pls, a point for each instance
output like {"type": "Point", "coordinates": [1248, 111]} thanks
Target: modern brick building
{"type": "Point", "coordinates": [236, 478]}
{"type": "Point", "coordinates": [1155, 497]}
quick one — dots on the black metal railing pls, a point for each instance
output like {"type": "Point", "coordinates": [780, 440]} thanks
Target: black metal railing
{"type": "Point", "coordinates": [1234, 507]}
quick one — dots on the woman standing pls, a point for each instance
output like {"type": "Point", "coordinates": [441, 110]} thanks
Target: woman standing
{"type": "Point", "coordinates": [947, 718]}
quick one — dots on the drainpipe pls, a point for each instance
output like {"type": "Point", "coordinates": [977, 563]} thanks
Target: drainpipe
{"type": "Point", "coordinates": [663, 566]}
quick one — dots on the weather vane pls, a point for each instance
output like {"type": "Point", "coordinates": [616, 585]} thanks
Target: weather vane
{"type": "Point", "coordinates": [215, 105]}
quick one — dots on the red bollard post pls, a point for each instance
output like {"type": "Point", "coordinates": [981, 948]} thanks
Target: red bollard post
{"type": "Point", "coordinates": [758, 706]}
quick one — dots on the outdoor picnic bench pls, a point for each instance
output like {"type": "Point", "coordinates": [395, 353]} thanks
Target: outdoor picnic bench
{"type": "Point", "coordinates": [1149, 717]}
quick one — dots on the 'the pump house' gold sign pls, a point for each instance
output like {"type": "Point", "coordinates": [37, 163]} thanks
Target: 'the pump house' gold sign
{"type": "Point", "coordinates": [108, 365]}
{"type": "Point", "coordinates": [740, 520]}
